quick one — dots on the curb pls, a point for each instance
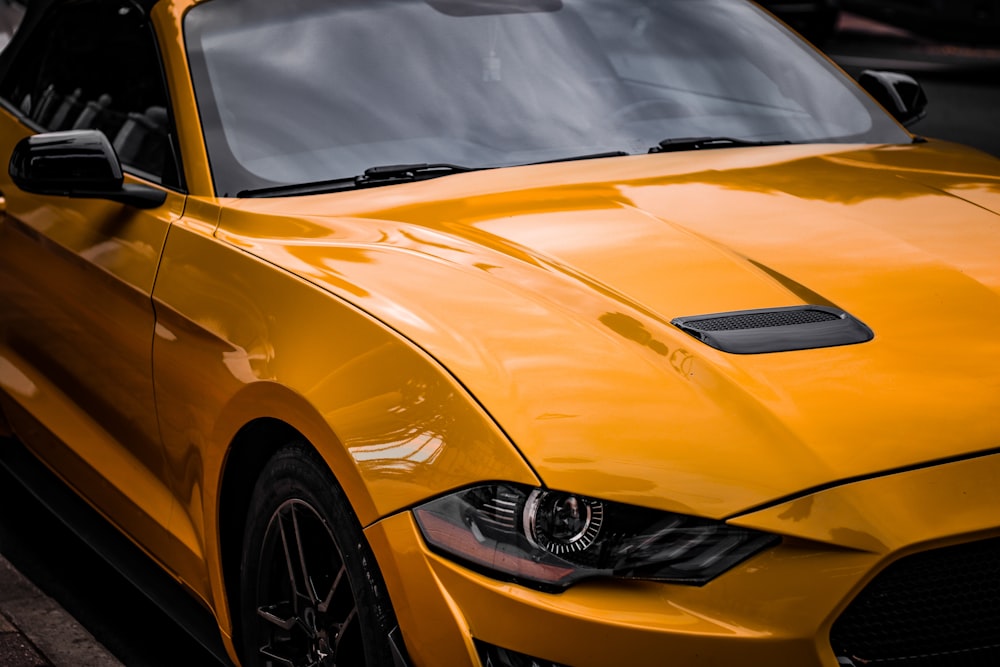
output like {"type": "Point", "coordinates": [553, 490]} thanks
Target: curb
{"type": "Point", "coordinates": [36, 632]}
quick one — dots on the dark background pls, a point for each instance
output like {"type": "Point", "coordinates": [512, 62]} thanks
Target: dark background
{"type": "Point", "coordinates": [962, 80]}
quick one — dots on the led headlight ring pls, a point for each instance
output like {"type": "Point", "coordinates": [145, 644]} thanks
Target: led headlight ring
{"type": "Point", "coordinates": [561, 523]}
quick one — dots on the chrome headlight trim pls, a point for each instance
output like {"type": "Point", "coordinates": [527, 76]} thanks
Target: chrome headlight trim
{"type": "Point", "coordinates": [552, 539]}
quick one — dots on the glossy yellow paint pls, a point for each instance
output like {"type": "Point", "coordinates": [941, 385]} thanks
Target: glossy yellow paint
{"type": "Point", "coordinates": [390, 424]}
{"type": "Point", "coordinates": [168, 17]}
{"type": "Point", "coordinates": [76, 279]}
{"type": "Point", "coordinates": [488, 326]}
{"type": "Point", "coordinates": [542, 321]}
{"type": "Point", "coordinates": [775, 609]}
{"type": "Point", "coordinates": [512, 284]}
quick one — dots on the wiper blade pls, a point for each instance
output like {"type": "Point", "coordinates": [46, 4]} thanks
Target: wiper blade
{"type": "Point", "coordinates": [395, 173]}
{"type": "Point", "coordinates": [702, 143]}
{"type": "Point", "coordinates": [588, 156]}
{"type": "Point", "coordinates": [373, 176]}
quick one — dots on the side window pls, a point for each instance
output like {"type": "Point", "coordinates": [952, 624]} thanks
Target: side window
{"type": "Point", "coordinates": [11, 13]}
{"type": "Point", "coordinates": [93, 64]}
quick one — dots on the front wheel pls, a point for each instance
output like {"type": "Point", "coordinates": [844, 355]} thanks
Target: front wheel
{"type": "Point", "coordinates": [312, 594]}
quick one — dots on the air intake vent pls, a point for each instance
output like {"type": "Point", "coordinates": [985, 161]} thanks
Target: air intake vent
{"type": "Point", "coordinates": [768, 318]}
{"type": "Point", "coordinates": [775, 329]}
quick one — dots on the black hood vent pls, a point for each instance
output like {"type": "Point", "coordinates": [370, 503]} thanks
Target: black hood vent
{"type": "Point", "coordinates": [775, 329]}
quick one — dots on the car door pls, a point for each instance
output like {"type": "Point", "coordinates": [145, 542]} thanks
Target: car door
{"type": "Point", "coordinates": [76, 318]}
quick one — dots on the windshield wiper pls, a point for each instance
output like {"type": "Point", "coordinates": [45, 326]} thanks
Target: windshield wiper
{"type": "Point", "coordinates": [702, 143]}
{"type": "Point", "coordinates": [396, 173]}
{"type": "Point", "coordinates": [588, 156]}
{"type": "Point", "coordinates": [374, 176]}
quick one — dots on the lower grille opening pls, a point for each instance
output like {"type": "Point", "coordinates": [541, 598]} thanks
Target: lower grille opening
{"type": "Point", "coordinates": [494, 656]}
{"type": "Point", "coordinates": [938, 608]}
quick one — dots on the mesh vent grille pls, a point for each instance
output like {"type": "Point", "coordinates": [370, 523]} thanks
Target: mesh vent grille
{"type": "Point", "coordinates": [774, 318]}
{"type": "Point", "coordinates": [780, 329]}
{"type": "Point", "coordinates": [939, 608]}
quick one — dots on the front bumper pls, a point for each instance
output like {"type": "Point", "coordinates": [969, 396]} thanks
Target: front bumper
{"type": "Point", "coordinates": [777, 608]}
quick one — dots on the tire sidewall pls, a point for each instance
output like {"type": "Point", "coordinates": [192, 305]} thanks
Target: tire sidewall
{"type": "Point", "coordinates": [297, 472]}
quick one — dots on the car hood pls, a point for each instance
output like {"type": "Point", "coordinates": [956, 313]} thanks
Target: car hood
{"type": "Point", "coordinates": [548, 292]}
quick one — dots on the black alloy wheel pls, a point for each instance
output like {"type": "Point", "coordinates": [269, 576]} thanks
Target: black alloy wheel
{"type": "Point", "coordinates": [312, 595]}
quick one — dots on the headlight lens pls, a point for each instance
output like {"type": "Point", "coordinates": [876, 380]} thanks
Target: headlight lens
{"type": "Point", "coordinates": [550, 539]}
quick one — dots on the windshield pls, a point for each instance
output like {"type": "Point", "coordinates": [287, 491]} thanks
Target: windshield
{"type": "Point", "coordinates": [300, 91]}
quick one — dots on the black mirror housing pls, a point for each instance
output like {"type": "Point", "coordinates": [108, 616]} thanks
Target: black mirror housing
{"type": "Point", "coordinates": [77, 163]}
{"type": "Point", "coordinates": [900, 94]}
{"type": "Point", "coordinates": [61, 163]}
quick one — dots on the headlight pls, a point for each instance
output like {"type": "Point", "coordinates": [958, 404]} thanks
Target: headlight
{"type": "Point", "coordinates": [551, 539]}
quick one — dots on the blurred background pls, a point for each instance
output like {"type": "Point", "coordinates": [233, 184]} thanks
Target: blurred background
{"type": "Point", "coordinates": [952, 47]}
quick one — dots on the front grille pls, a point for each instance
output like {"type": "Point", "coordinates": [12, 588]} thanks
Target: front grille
{"type": "Point", "coordinates": [939, 608]}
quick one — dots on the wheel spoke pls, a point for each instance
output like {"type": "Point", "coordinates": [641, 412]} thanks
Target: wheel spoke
{"type": "Point", "coordinates": [306, 579]}
{"type": "Point", "coordinates": [269, 614]}
{"type": "Point", "coordinates": [341, 629]}
{"type": "Point", "coordinates": [324, 605]}
{"type": "Point", "coordinates": [289, 560]}
{"type": "Point", "coordinates": [280, 659]}
{"type": "Point", "coordinates": [271, 654]}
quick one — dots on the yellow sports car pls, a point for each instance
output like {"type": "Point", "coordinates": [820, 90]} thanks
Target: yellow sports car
{"type": "Point", "coordinates": [508, 333]}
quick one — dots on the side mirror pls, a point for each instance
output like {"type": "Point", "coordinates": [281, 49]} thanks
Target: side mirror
{"type": "Point", "coordinates": [78, 163]}
{"type": "Point", "coordinates": [900, 94]}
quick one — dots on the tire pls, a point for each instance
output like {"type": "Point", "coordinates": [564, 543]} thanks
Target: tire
{"type": "Point", "coordinates": [311, 591]}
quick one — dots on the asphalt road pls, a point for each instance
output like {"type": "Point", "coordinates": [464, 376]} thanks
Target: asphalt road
{"type": "Point", "coordinates": [963, 86]}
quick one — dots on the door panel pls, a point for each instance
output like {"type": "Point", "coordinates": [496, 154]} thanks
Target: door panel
{"type": "Point", "coordinates": [76, 323]}
{"type": "Point", "coordinates": [76, 275]}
